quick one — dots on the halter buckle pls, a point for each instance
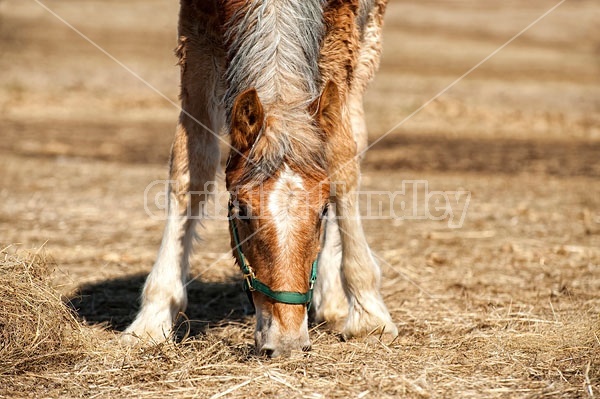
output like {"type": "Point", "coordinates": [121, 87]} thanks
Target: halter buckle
{"type": "Point", "coordinates": [249, 277]}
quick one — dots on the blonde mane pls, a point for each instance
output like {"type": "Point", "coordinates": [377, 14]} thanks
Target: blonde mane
{"type": "Point", "coordinates": [273, 47]}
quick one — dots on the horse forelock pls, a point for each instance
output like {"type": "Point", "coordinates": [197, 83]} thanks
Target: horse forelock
{"type": "Point", "coordinates": [294, 141]}
{"type": "Point", "coordinates": [273, 46]}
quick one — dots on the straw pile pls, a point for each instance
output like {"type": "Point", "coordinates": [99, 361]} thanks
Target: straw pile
{"type": "Point", "coordinates": [36, 329]}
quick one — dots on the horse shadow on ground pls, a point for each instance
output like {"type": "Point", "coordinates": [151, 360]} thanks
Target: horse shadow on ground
{"type": "Point", "coordinates": [114, 303]}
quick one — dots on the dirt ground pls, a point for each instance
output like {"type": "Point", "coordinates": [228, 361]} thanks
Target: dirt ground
{"type": "Point", "coordinates": [507, 305]}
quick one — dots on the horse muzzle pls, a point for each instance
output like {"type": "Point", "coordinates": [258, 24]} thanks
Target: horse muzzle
{"type": "Point", "coordinates": [280, 336]}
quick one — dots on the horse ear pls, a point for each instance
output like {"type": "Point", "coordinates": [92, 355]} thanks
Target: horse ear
{"type": "Point", "coordinates": [247, 119]}
{"type": "Point", "coordinates": [328, 109]}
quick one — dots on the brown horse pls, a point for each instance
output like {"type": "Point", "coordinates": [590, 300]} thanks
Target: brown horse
{"type": "Point", "coordinates": [257, 67]}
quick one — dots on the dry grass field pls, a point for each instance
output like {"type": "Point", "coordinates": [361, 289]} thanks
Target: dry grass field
{"type": "Point", "coordinates": [507, 306]}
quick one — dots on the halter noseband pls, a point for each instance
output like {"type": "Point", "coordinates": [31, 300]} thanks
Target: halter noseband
{"type": "Point", "coordinates": [251, 283]}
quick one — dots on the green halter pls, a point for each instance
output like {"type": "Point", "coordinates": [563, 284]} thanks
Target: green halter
{"type": "Point", "coordinates": [251, 283]}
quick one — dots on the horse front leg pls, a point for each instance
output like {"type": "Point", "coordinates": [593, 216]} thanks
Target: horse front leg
{"type": "Point", "coordinates": [329, 301]}
{"type": "Point", "coordinates": [360, 274]}
{"type": "Point", "coordinates": [194, 161]}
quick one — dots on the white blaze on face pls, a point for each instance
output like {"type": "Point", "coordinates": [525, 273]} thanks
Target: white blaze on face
{"type": "Point", "coordinates": [284, 205]}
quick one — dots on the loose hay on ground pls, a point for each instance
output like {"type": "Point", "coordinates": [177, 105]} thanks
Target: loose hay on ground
{"type": "Point", "coordinates": [36, 329]}
{"type": "Point", "coordinates": [46, 351]}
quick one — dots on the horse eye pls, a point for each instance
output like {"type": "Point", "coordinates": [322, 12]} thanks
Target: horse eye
{"type": "Point", "coordinates": [324, 211]}
{"type": "Point", "coordinates": [238, 210]}
{"type": "Point", "coordinates": [242, 212]}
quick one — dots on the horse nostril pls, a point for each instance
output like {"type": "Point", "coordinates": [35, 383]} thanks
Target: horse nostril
{"type": "Point", "coordinates": [269, 352]}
